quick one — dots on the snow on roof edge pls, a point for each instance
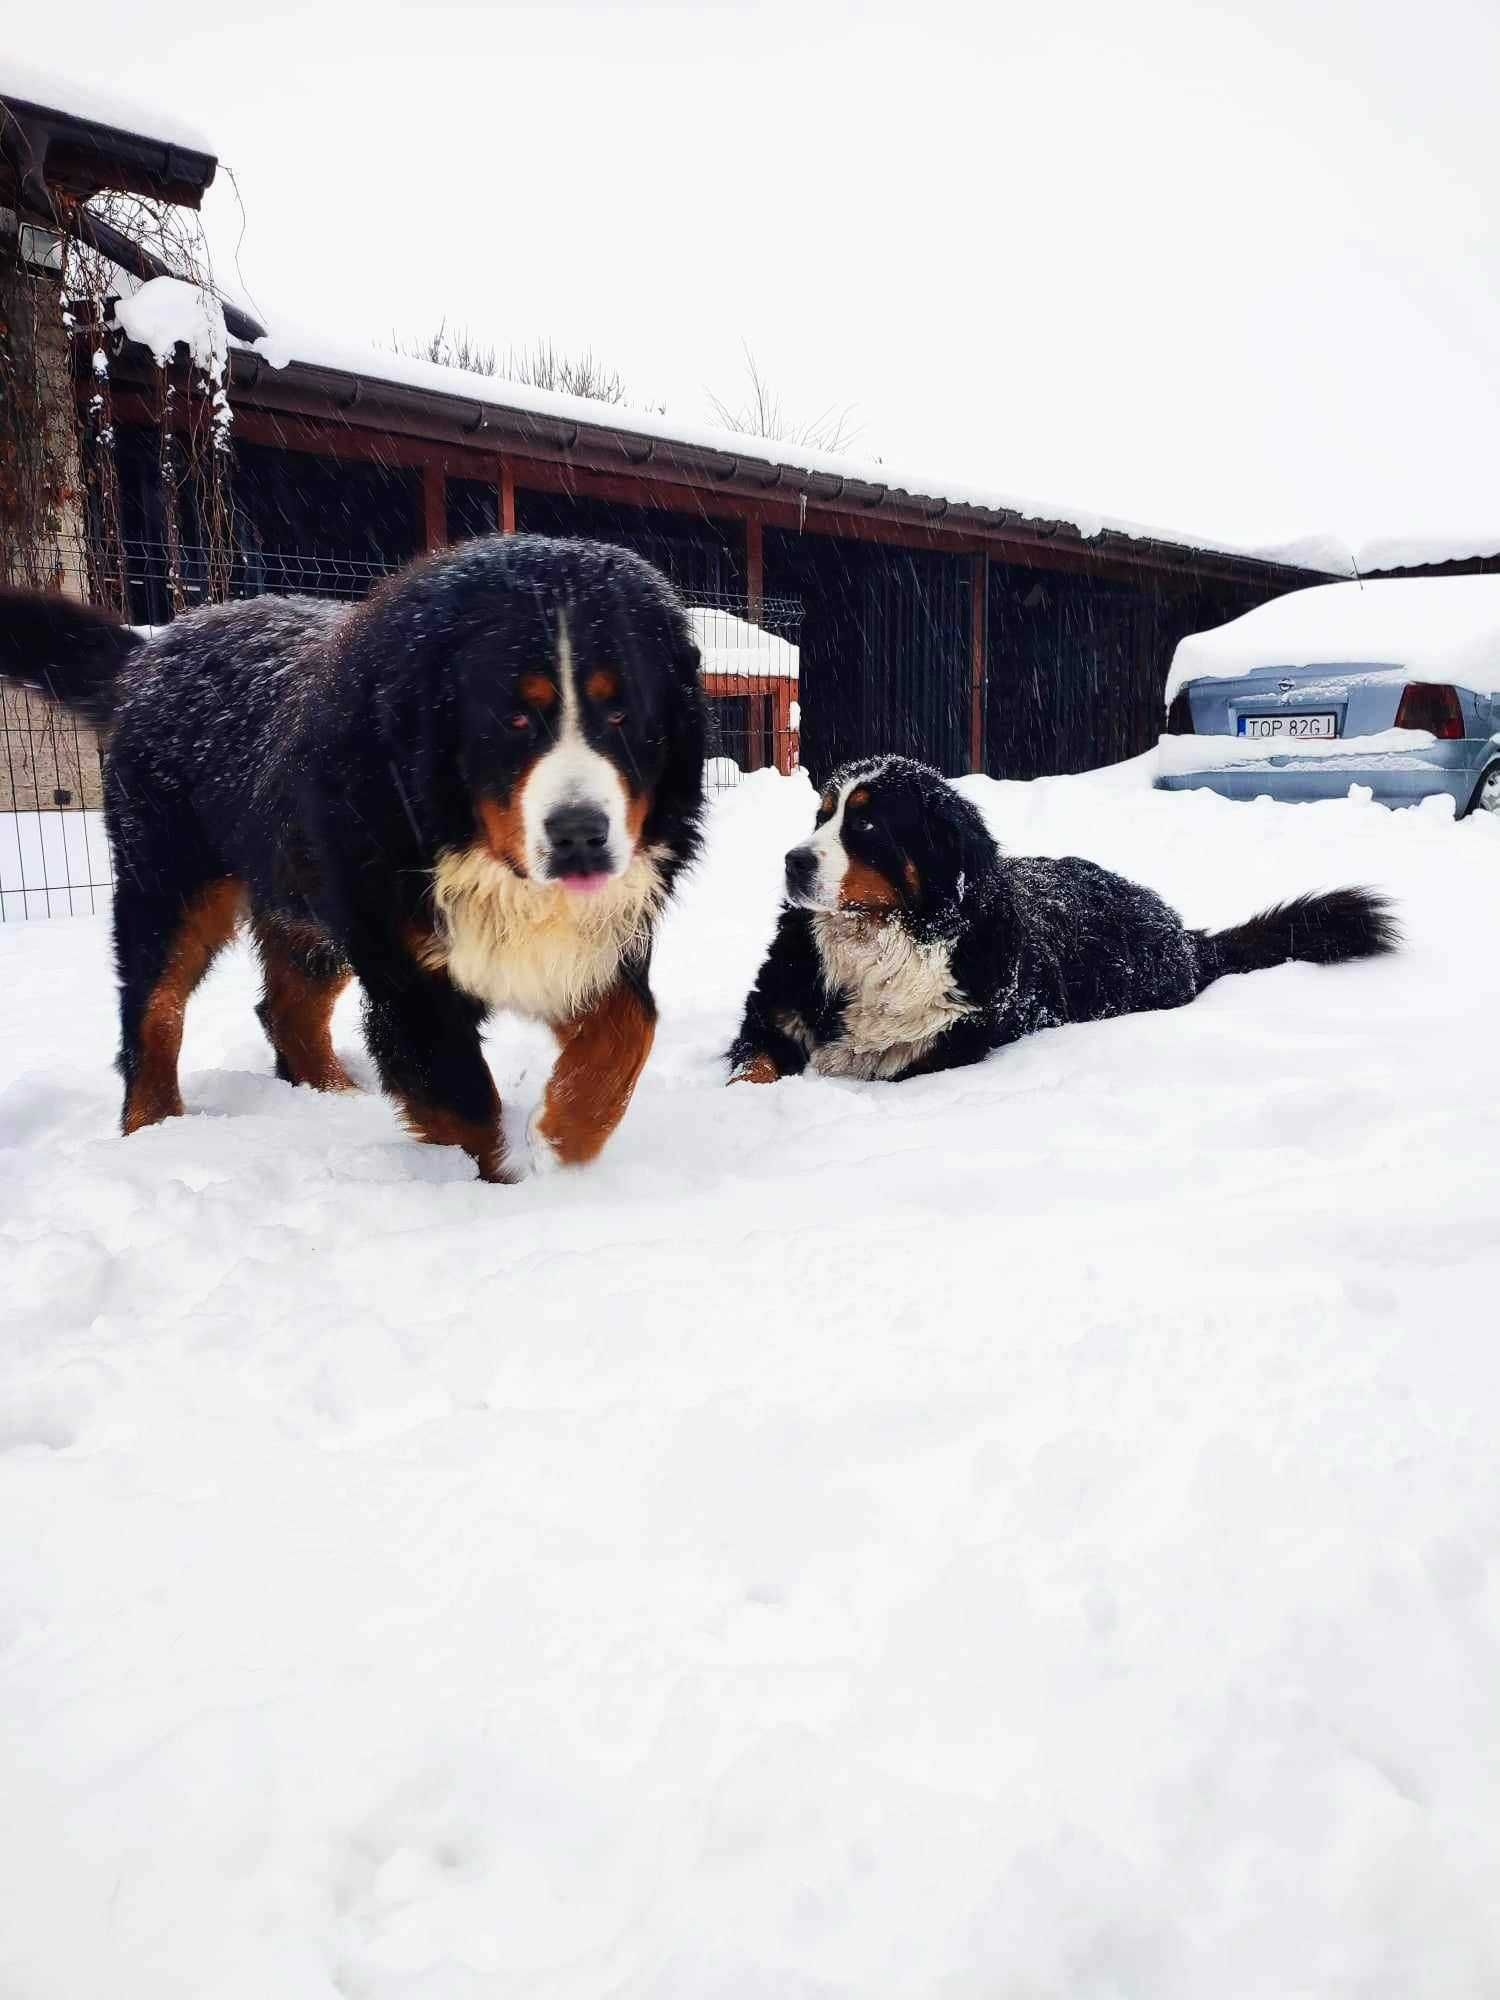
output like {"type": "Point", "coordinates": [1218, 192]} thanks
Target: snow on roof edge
{"type": "Point", "coordinates": [316, 350]}
{"type": "Point", "coordinates": [1387, 552]}
{"type": "Point", "coordinates": [103, 105]}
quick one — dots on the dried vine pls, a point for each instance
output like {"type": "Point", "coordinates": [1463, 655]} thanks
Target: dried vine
{"type": "Point", "coordinates": [194, 456]}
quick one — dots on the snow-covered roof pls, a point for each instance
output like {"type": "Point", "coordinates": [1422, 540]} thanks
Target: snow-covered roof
{"type": "Point", "coordinates": [1423, 551]}
{"type": "Point", "coordinates": [286, 346]}
{"type": "Point", "coordinates": [1336, 556]}
{"type": "Point", "coordinates": [1437, 628]}
{"type": "Point", "coordinates": [104, 105]}
{"type": "Point", "coordinates": [731, 645]}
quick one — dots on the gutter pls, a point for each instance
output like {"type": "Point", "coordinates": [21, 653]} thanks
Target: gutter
{"type": "Point", "coordinates": [28, 134]}
{"type": "Point", "coordinates": [312, 390]}
{"type": "Point", "coordinates": [112, 158]}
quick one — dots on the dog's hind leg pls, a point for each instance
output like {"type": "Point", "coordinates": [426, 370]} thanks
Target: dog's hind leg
{"type": "Point", "coordinates": [304, 976]}
{"type": "Point", "coordinates": [164, 943]}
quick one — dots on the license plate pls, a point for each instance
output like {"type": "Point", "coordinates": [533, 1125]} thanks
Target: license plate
{"type": "Point", "coordinates": [1297, 726]}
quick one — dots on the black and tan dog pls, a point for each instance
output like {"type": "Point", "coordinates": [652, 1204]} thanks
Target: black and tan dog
{"type": "Point", "coordinates": [474, 790]}
{"type": "Point", "coordinates": [909, 943]}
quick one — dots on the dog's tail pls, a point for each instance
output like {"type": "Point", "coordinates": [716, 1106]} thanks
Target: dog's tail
{"type": "Point", "coordinates": [1314, 930]}
{"type": "Point", "coordinates": [65, 650]}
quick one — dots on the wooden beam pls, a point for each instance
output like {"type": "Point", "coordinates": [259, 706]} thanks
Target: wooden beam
{"type": "Point", "coordinates": [434, 505]}
{"type": "Point", "coordinates": [979, 591]}
{"type": "Point", "coordinates": [340, 440]}
{"type": "Point", "coordinates": [755, 567]}
{"type": "Point", "coordinates": [395, 443]}
{"type": "Point", "coordinates": [786, 736]}
{"type": "Point", "coordinates": [507, 497]}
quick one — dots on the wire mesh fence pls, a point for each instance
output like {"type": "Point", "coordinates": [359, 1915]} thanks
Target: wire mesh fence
{"type": "Point", "coordinates": [750, 678]}
{"type": "Point", "coordinates": [54, 856]}
{"type": "Point", "coordinates": [253, 572]}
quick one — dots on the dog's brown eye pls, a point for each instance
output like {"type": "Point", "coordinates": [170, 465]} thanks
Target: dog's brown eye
{"type": "Point", "coordinates": [615, 718]}
{"type": "Point", "coordinates": [520, 720]}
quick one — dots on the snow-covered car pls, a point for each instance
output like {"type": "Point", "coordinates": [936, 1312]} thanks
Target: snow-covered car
{"type": "Point", "coordinates": [1392, 684]}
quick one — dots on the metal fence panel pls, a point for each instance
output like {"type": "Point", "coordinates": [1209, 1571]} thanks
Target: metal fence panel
{"type": "Point", "coordinates": [54, 856]}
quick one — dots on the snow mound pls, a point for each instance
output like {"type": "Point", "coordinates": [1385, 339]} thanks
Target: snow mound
{"type": "Point", "coordinates": [1027, 1531]}
{"type": "Point", "coordinates": [1436, 628]}
{"type": "Point", "coordinates": [731, 645]}
{"type": "Point", "coordinates": [1397, 749]}
{"type": "Point", "coordinates": [167, 312]}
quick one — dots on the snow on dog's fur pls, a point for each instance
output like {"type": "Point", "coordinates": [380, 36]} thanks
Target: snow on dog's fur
{"type": "Point", "coordinates": [908, 943]}
{"type": "Point", "coordinates": [474, 790]}
{"type": "Point", "coordinates": [900, 994]}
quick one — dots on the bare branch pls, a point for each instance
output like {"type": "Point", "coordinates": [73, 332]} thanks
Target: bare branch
{"type": "Point", "coordinates": [761, 415]}
{"type": "Point", "coordinates": [540, 366]}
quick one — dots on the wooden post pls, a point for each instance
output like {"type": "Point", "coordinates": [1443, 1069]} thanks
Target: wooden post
{"type": "Point", "coordinates": [979, 590]}
{"type": "Point", "coordinates": [786, 745]}
{"type": "Point", "coordinates": [507, 498]}
{"type": "Point", "coordinates": [755, 569]}
{"type": "Point", "coordinates": [434, 505]}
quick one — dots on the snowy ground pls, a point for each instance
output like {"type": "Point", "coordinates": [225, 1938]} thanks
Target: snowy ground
{"type": "Point", "coordinates": [1027, 1532]}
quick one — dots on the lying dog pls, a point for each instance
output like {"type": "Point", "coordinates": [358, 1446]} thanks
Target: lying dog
{"type": "Point", "coordinates": [910, 944]}
{"type": "Point", "coordinates": [474, 790]}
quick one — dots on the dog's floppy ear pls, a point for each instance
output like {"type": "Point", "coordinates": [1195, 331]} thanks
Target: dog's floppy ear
{"type": "Point", "coordinates": [687, 736]}
{"type": "Point", "coordinates": [679, 795]}
{"type": "Point", "coordinates": [959, 848]}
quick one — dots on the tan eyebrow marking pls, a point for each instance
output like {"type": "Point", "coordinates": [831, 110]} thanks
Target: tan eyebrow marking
{"type": "Point", "coordinates": [602, 685]}
{"type": "Point", "coordinates": [860, 797]}
{"type": "Point", "coordinates": [538, 690]}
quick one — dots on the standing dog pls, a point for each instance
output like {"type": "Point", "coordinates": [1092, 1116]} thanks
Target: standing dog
{"type": "Point", "coordinates": [474, 790]}
{"type": "Point", "coordinates": [910, 944]}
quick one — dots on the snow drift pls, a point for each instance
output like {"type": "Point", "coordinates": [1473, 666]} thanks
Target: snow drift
{"type": "Point", "coordinates": [1028, 1531]}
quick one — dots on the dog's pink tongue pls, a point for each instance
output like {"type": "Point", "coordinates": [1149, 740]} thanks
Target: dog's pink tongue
{"type": "Point", "coordinates": [584, 885]}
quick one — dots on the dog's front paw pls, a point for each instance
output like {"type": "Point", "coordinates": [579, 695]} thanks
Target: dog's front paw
{"type": "Point", "coordinates": [759, 1069]}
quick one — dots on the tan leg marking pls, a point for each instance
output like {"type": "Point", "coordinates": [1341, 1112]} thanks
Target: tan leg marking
{"type": "Point", "coordinates": [299, 1013]}
{"type": "Point", "coordinates": [207, 925]}
{"type": "Point", "coordinates": [479, 1138]}
{"type": "Point", "coordinates": [603, 1053]}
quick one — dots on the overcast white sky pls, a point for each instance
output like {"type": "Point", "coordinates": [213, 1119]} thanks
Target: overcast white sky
{"type": "Point", "coordinates": [1235, 271]}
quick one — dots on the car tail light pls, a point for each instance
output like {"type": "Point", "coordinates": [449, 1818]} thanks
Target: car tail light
{"type": "Point", "coordinates": [1180, 716]}
{"type": "Point", "coordinates": [1431, 706]}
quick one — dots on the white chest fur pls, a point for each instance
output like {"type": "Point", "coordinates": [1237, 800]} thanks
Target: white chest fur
{"type": "Point", "coordinates": [536, 947]}
{"type": "Point", "coordinates": [900, 995]}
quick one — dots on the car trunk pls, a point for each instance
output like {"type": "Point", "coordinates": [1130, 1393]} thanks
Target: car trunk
{"type": "Point", "coordinates": [1299, 703]}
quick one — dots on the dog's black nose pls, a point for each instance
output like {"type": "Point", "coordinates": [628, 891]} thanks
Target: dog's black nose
{"type": "Point", "coordinates": [801, 871]}
{"type": "Point", "coordinates": [579, 838]}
